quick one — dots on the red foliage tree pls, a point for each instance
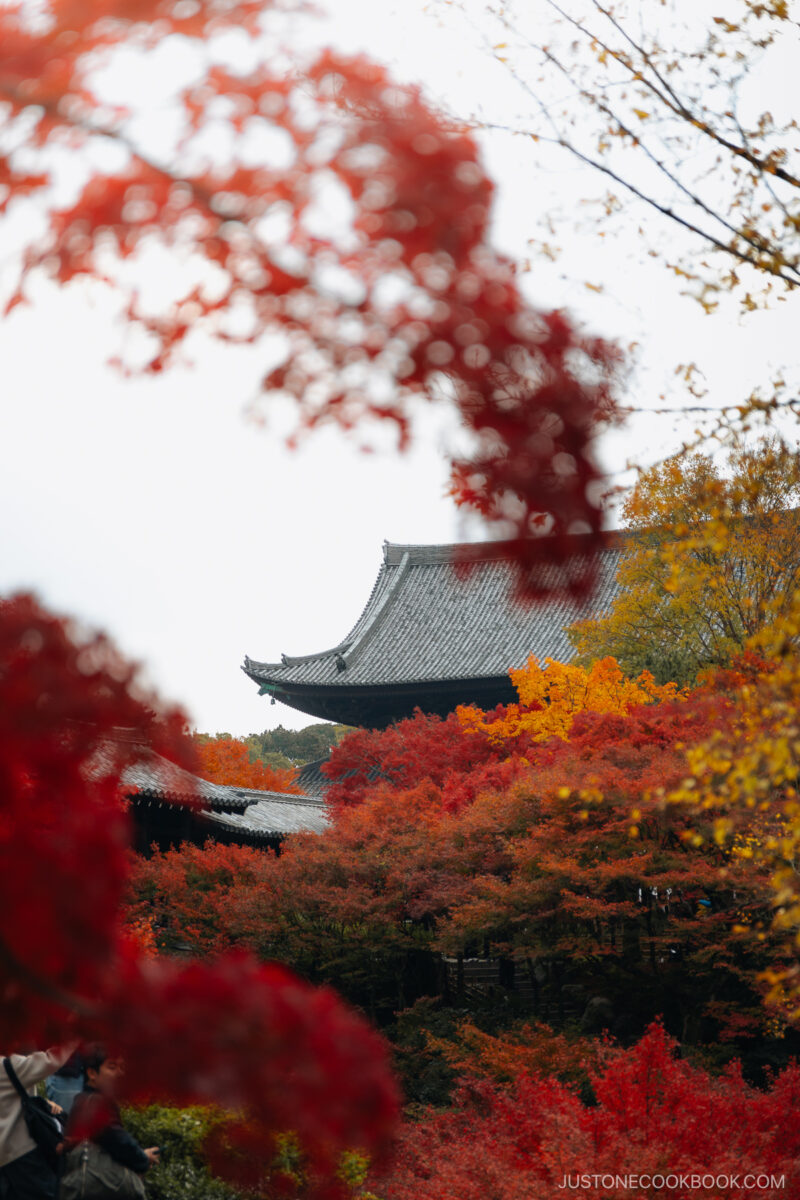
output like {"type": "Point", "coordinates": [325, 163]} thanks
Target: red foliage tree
{"type": "Point", "coordinates": [354, 909]}
{"type": "Point", "coordinates": [605, 885]}
{"type": "Point", "coordinates": [443, 750]}
{"type": "Point", "coordinates": [409, 300]}
{"type": "Point", "coordinates": [234, 1031]}
{"type": "Point", "coordinates": [201, 897]}
{"type": "Point", "coordinates": [655, 1116]}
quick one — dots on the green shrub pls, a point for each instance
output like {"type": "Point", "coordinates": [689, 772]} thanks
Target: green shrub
{"type": "Point", "coordinates": [180, 1132]}
{"type": "Point", "coordinates": [183, 1175]}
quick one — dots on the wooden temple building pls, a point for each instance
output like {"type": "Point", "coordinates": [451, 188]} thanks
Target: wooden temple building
{"type": "Point", "coordinates": [433, 636]}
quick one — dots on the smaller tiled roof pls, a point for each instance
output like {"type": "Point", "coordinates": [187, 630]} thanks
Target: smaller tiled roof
{"type": "Point", "coordinates": [249, 812]}
{"type": "Point", "coordinates": [312, 781]}
{"type": "Point", "coordinates": [273, 815]}
{"type": "Point", "coordinates": [156, 778]}
{"type": "Point", "coordinates": [150, 776]}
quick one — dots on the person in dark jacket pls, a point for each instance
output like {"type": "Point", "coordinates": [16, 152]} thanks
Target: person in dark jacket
{"type": "Point", "coordinates": [96, 1117]}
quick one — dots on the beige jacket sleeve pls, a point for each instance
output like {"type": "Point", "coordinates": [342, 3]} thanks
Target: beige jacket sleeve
{"type": "Point", "coordinates": [32, 1068]}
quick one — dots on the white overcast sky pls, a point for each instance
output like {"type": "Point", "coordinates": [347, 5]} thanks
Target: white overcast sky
{"type": "Point", "coordinates": [154, 509]}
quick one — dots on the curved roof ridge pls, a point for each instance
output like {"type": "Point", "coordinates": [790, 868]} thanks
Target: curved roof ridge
{"type": "Point", "coordinates": [378, 610]}
{"type": "Point", "coordinates": [424, 553]}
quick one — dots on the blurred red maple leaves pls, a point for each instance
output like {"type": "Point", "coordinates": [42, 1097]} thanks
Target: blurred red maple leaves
{"type": "Point", "coordinates": [246, 1035]}
{"type": "Point", "coordinates": [406, 299]}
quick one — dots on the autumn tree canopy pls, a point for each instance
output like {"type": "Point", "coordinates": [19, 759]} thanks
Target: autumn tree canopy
{"type": "Point", "coordinates": [558, 855]}
{"type": "Point", "coordinates": [552, 694]}
{"type": "Point", "coordinates": [713, 557]}
{"type": "Point", "coordinates": [748, 775]}
{"type": "Point", "coordinates": [653, 1110]}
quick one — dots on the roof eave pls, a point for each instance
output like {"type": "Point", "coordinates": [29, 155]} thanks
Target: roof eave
{"type": "Point", "coordinates": [193, 803]}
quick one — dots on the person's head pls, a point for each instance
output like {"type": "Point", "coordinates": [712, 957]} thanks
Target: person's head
{"type": "Point", "coordinates": [102, 1071]}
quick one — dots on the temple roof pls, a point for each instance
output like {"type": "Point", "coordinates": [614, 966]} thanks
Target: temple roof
{"type": "Point", "coordinates": [157, 778]}
{"type": "Point", "coordinates": [245, 814]}
{"type": "Point", "coordinates": [311, 780]}
{"type": "Point", "coordinates": [151, 777]}
{"type": "Point", "coordinates": [429, 623]}
{"type": "Point", "coordinates": [272, 815]}
{"type": "Point", "coordinates": [251, 812]}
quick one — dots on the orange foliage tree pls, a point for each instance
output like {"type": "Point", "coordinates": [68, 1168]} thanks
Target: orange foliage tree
{"type": "Point", "coordinates": [227, 760]}
{"type": "Point", "coordinates": [553, 693]}
{"type": "Point", "coordinates": [531, 1047]}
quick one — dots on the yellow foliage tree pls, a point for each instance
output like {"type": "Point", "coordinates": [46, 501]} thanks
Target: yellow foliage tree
{"type": "Point", "coordinates": [749, 773]}
{"type": "Point", "coordinates": [713, 559]}
{"type": "Point", "coordinates": [553, 693]}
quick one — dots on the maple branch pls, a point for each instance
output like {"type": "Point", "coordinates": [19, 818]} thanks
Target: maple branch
{"type": "Point", "coordinates": [202, 194]}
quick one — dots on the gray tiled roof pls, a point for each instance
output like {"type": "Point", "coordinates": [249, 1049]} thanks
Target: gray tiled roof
{"type": "Point", "coordinates": [249, 811]}
{"type": "Point", "coordinates": [311, 779]}
{"type": "Point", "coordinates": [159, 779]}
{"type": "Point", "coordinates": [428, 620]}
{"type": "Point", "coordinates": [273, 815]}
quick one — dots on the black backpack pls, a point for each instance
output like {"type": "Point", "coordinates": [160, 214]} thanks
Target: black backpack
{"type": "Point", "coordinates": [42, 1126]}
